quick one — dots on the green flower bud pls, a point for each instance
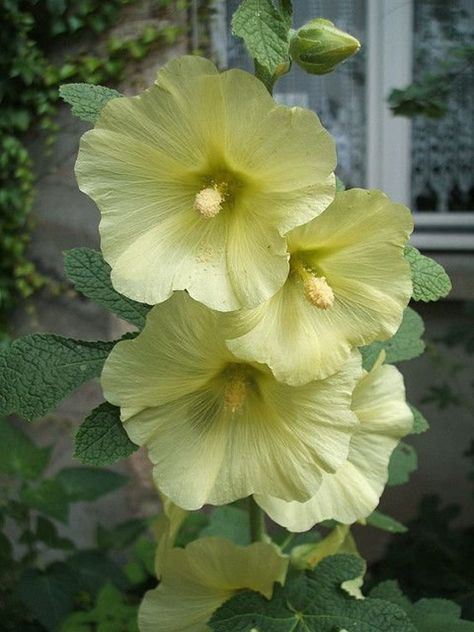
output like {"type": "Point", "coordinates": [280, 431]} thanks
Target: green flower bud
{"type": "Point", "coordinates": [318, 46]}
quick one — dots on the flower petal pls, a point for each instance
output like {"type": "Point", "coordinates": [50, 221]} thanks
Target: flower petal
{"type": "Point", "coordinates": [353, 491]}
{"type": "Point", "coordinates": [198, 579]}
{"type": "Point", "coordinates": [150, 156]}
{"type": "Point", "coordinates": [172, 384]}
{"type": "Point", "coordinates": [357, 245]}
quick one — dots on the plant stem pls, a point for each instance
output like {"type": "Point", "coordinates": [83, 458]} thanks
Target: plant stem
{"type": "Point", "coordinates": [256, 521]}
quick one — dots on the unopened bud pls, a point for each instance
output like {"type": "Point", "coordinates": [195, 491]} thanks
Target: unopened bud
{"type": "Point", "coordinates": [318, 46]}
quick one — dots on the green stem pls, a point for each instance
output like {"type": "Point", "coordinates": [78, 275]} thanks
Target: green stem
{"type": "Point", "coordinates": [287, 541]}
{"type": "Point", "coordinates": [256, 521]}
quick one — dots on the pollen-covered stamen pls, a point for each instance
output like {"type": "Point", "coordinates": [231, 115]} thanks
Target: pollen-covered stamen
{"type": "Point", "coordinates": [208, 202]}
{"type": "Point", "coordinates": [316, 289]}
{"type": "Point", "coordinates": [319, 292]}
{"type": "Point", "coordinates": [236, 388]}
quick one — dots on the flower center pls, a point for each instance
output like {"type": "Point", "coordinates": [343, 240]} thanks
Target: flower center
{"type": "Point", "coordinates": [316, 289]}
{"type": "Point", "coordinates": [208, 202]}
{"type": "Point", "coordinates": [237, 384]}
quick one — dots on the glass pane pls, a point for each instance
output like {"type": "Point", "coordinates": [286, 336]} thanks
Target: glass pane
{"type": "Point", "coordinates": [443, 148]}
{"type": "Point", "coordinates": [338, 98]}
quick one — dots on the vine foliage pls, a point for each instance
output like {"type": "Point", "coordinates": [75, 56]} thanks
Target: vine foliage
{"type": "Point", "coordinates": [31, 32]}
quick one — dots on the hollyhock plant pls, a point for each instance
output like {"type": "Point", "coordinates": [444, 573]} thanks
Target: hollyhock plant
{"type": "Point", "coordinates": [349, 284]}
{"type": "Point", "coordinates": [197, 186]}
{"type": "Point", "coordinates": [218, 429]}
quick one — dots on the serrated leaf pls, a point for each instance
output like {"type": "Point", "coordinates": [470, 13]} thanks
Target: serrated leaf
{"type": "Point", "coordinates": [101, 439]}
{"type": "Point", "coordinates": [419, 422]}
{"type": "Point", "coordinates": [404, 345]}
{"type": "Point", "coordinates": [427, 615]}
{"type": "Point", "coordinates": [314, 602]}
{"type": "Point", "coordinates": [430, 280]}
{"type": "Point", "coordinates": [380, 520]}
{"type": "Point", "coordinates": [90, 274]}
{"type": "Point", "coordinates": [87, 101]}
{"type": "Point", "coordinates": [264, 30]}
{"type": "Point", "coordinates": [402, 463]}
{"type": "Point", "coordinates": [49, 497]}
{"type": "Point", "coordinates": [89, 483]}
{"type": "Point", "coordinates": [228, 522]}
{"type": "Point", "coordinates": [38, 371]}
{"type": "Point", "coordinates": [19, 455]}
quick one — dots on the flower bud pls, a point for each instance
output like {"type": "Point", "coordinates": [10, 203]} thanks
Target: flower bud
{"type": "Point", "coordinates": [318, 46]}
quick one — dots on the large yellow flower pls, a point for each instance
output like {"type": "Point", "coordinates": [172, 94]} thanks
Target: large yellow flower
{"type": "Point", "coordinates": [349, 284]}
{"type": "Point", "coordinates": [197, 179]}
{"type": "Point", "coordinates": [196, 580]}
{"type": "Point", "coordinates": [354, 490]}
{"type": "Point", "coordinates": [216, 428]}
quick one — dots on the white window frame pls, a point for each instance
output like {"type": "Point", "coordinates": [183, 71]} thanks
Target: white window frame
{"type": "Point", "coordinates": [389, 65]}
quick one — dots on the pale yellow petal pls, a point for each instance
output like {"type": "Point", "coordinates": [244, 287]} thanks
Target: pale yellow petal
{"type": "Point", "coordinates": [151, 370]}
{"type": "Point", "coordinates": [354, 490]}
{"type": "Point", "coordinates": [150, 156]}
{"type": "Point", "coordinates": [298, 342]}
{"type": "Point", "coordinates": [356, 245]}
{"type": "Point", "coordinates": [197, 580]}
{"type": "Point", "coordinates": [165, 530]}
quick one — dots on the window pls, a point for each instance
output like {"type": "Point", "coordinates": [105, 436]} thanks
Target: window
{"type": "Point", "coordinates": [424, 163]}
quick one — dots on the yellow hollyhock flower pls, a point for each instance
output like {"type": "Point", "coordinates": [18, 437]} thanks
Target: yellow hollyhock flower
{"type": "Point", "coordinates": [216, 428]}
{"type": "Point", "coordinates": [349, 284]}
{"type": "Point", "coordinates": [198, 579]}
{"type": "Point", "coordinates": [354, 490]}
{"type": "Point", "coordinates": [198, 179]}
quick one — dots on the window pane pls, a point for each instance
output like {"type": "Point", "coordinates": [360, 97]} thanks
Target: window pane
{"type": "Point", "coordinates": [338, 98]}
{"type": "Point", "coordinates": [443, 148]}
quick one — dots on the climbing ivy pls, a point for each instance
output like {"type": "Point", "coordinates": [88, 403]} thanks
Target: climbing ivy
{"type": "Point", "coordinates": [31, 31]}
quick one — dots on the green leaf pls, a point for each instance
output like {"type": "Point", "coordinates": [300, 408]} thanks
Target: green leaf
{"type": "Point", "coordinates": [19, 455]}
{"type": "Point", "coordinates": [90, 274]}
{"type": "Point", "coordinates": [404, 345]}
{"type": "Point", "coordinates": [419, 422]}
{"type": "Point", "coordinates": [402, 463]}
{"type": "Point", "coordinates": [427, 615]}
{"type": "Point", "coordinates": [38, 371]}
{"type": "Point", "coordinates": [386, 523]}
{"type": "Point", "coordinates": [49, 595]}
{"type": "Point", "coordinates": [47, 533]}
{"type": "Point", "coordinates": [430, 280]}
{"type": "Point", "coordinates": [93, 569]}
{"type": "Point", "coordinates": [89, 483]}
{"type": "Point", "coordinates": [101, 439]}
{"type": "Point", "coordinates": [50, 498]}
{"type": "Point", "coordinates": [122, 535]}
{"type": "Point", "coordinates": [228, 522]}
{"type": "Point", "coordinates": [87, 100]}
{"type": "Point", "coordinates": [286, 8]}
{"type": "Point", "coordinates": [111, 613]}
{"type": "Point", "coordinates": [314, 602]}
{"type": "Point", "coordinates": [264, 30]}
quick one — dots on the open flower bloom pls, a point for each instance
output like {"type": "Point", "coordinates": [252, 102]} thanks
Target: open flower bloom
{"type": "Point", "coordinates": [198, 579]}
{"type": "Point", "coordinates": [349, 284]}
{"type": "Point", "coordinates": [218, 429]}
{"type": "Point", "coordinates": [197, 179]}
{"type": "Point", "coordinates": [354, 490]}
